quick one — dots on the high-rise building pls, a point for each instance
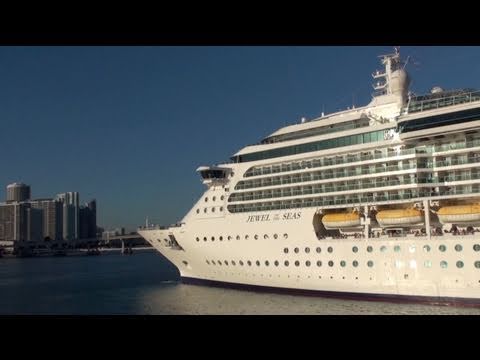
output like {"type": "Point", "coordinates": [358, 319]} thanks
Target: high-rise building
{"type": "Point", "coordinates": [88, 220]}
{"type": "Point", "coordinates": [71, 215]}
{"type": "Point", "coordinates": [92, 220]}
{"type": "Point", "coordinates": [18, 192]}
{"type": "Point", "coordinates": [34, 224]}
{"type": "Point", "coordinates": [52, 217]}
{"type": "Point", "coordinates": [13, 221]}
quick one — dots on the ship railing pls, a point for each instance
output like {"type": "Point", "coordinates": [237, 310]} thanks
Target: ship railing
{"type": "Point", "coordinates": [309, 164]}
{"type": "Point", "coordinates": [153, 227]}
{"type": "Point", "coordinates": [429, 104]}
{"type": "Point", "coordinates": [363, 185]}
{"type": "Point", "coordinates": [457, 146]}
{"type": "Point", "coordinates": [353, 200]}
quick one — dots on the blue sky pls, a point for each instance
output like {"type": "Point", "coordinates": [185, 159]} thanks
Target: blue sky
{"type": "Point", "coordinates": [129, 125]}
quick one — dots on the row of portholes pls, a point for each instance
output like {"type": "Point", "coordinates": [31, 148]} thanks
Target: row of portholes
{"type": "Point", "coordinates": [343, 263]}
{"type": "Point", "coordinates": [215, 198]}
{"type": "Point", "coordinates": [205, 210]}
{"type": "Point", "coordinates": [383, 248]}
{"type": "Point", "coordinates": [308, 263]}
{"type": "Point", "coordinates": [238, 237]}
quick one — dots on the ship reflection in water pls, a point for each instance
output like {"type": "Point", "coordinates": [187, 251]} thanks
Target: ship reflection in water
{"type": "Point", "coordinates": [177, 298]}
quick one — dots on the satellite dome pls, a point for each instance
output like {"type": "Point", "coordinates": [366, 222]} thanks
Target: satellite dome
{"type": "Point", "coordinates": [436, 90]}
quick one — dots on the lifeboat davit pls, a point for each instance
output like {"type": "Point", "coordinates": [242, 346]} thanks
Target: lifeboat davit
{"type": "Point", "coordinates": [459, 214]}
{"type": "Point", "coordinates": [399, 217]}
{"type": "Point", "coordinates": [341, 221]}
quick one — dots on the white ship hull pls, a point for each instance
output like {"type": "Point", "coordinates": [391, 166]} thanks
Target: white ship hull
{"type": "Point", "coordinates": [393, 273]}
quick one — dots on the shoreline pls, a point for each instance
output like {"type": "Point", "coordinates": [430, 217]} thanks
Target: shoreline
{"type": "Point", "coordinates": [76, 252]}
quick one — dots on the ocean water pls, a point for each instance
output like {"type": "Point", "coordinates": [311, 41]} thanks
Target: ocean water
{"type": "Point", "coordinates": [146, 283]}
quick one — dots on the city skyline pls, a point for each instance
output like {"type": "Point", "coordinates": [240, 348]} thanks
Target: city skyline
{"type": "Point", "coordinates": [128, 126]}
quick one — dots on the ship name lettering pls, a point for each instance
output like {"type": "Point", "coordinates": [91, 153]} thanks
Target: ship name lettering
{"type": "Point", "coordinates": [254, 218]}
{"type": "Point", "coordinates": [289, 216]}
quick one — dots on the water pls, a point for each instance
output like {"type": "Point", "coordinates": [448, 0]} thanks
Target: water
{"type": "Point", "coordinates": [145, 283]}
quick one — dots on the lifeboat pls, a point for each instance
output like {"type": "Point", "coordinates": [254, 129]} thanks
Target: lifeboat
{"type": "Point", "coordinates": [341, 221]}
{"type": "Point", "coordinates": [459, 214]}
{"type": "Point", "coordinates": [399, 217]}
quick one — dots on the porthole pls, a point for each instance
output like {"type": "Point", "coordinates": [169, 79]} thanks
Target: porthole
{"type": "Point", "coordinates": [208, 262]}
{"type": "Point", "coordinates": [383, 248]}
{"type": "Point", "coordinates": [330, 249]}
{"type": "Point", "coordinates": [442, 248]}
{"type": "Point", "coordinates": [229, 237]}
{"type": "Point", "coordinates": [213, 262]}
{"type": "Point", "coordinates": [214, 198]}
{"type": "Point", "coordinates": [426, 248]}
{"type": "Point", "coordinates": [219, 262]}
{"type": "Point", "coordinates": [297, 263]}
{"type": "Point", "coordinates": [233, 263]}
{"type": "Point", "coordinates": [275, 236]}
{"type": "Point", "coordinates": [369, 249]}
{"type": "Point", "coordinates": [355, 249]}
{"type": "Point", "coordinates": [241, 263]}
{"type": "Point", "coordinates": [319, 250]}
{"type": "Point", "coordinates": [443, 264]}
{"type": "Point", "coordinates": [458, 247]}
{"type": "Point", "coordinates": [220, 238]}
{"type": "Point", "coordinates": [205, 210]}
{"type": "Point", "coordinates": [226, 262]}
{"type": "Point", "coordinates": [370, 263]}
{"type": "Point", "coordinates": [246, 237]}
{"type": "Point", "coordinates": [267, 263]}
{"type": "Point", "coordinates": [222, 197]}
{"type": "Point", "coordinates": [477, 264]}
{"type": "Point", "coordinates": [459, 264]}
{"type": "Point", "coordinates": [213, 238]}
{"type": "Point", "coordinates": [256, 237]}
{"type": "Point", "coordinates": [476, 247]}
{"type": "Point", "coordinates": [213, 209]}
{"type": "Point", "coordinates": [265, 236]}
{"type": "Point", "coordinates": [296, 250]}
{"type": "Point", "coordinates": [307, 250]}
{"type": "Point", "coordinates": [204, 239]}
{"type": "Point", "coordinates": [238, 237]}
{"type": "Point", "coordinates": [412, 249]}
{"type": "Point", "coordinates": [198, 239]}
{"type": "Point", "coordinates": [307, 263]}
{"type": "Point", "coordinates": [319, 263]}
{"type": "Point", "coordinates": [276, 262]}
{"type": "Point", "coordinates": [330, 263]}
{"type": "Point", "coordinates": [285, 250]}
{"type": "Point", "coordinates": [427, 264]}
{"type": "Point", "coordinates": [257, 262]}
{"type": "Point", "coordinates": [343, 263]}
{"type": "Point", "coordinates": [355, 263]}
{"type": "Point", "coordinates": [198, 211]}
{"type": "Point", "coordinates": [249, 263]}
{"type": "Point", "coordinates": [285, 236]}
{"type": "Point", "coordinates": [286, 263]}
{"type": "Point", "coordinates": [221, 208]}
{"type": "Point", "coordinates": [206, 199]}
{"type": "Point", "coordinates": [396, 248]}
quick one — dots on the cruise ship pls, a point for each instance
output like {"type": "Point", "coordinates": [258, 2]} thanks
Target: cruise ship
{"type": "Point", "coordinates": [380, 202]}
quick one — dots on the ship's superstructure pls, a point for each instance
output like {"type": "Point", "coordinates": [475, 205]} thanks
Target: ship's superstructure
{"type": "Point", "coordinates": [381, 200]}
